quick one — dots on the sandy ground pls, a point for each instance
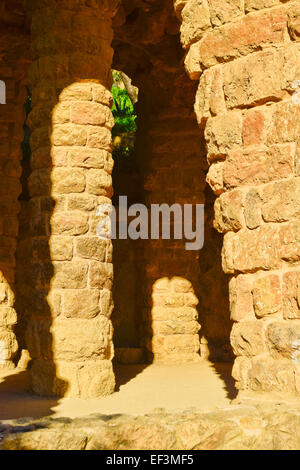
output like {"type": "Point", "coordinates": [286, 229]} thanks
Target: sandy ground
{"type": "Point", "coordinates": [140, 389]}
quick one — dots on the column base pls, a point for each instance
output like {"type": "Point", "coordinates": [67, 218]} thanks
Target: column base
{"type": "Point", "coordinates": [90, 379]}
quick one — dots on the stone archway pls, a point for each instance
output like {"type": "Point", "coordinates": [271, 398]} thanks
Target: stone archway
{"type": "Point", "coordinates": [176, 285]}
{"type": "Point", "coordinates": [248, 70]}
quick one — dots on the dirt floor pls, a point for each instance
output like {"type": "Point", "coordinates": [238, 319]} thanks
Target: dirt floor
{"type": "Point", "coordinates": [140, 390]}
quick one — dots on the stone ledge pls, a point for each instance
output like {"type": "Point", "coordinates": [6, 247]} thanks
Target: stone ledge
{"type": "Point", "coordinates": [238, 427]}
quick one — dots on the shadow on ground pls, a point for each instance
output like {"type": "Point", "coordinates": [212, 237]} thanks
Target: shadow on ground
{"type": "Point", "coordinates": [17, 402]}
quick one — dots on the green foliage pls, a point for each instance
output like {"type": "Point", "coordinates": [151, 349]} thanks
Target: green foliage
{"type": "Point", "coordinates": [125, 126]}
{"type": "Point", "coordinates": [123, 112]}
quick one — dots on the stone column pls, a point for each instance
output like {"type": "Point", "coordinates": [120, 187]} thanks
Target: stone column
{"type": "Point", "coordinates": [247, 56]}
{"type": "Point", "coordinates": [171, 274]}
{"type": "Point", "coordinates": [169, 149]}
{"type": "Point", "coordinates": [13, 67]}
{"type": "Point", "coordinates": [69, 333]}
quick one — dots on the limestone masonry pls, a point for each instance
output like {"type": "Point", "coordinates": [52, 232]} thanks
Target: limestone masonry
{"type": "Point", "coordinates": [220, 108]}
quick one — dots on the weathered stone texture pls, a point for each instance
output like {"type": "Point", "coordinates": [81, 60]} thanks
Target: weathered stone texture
{"type": "Point", "coordinates": [248, 66]}
{"type": "Point", "coordinates": [246, 57]}
{"type": "Point", "coordinates": [70, 335]}
{"type": "Point", "coordinates": [267, 427]}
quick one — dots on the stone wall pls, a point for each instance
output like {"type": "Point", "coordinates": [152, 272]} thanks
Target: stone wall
{"type": "Point", "coordinates": [267, 427]}
{"type": "Point", "coordinates": [247, 57]}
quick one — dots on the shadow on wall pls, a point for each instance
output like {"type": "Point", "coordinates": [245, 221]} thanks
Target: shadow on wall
{"type": "Point", "coordinates": [15, 389]}
{"type": "Point", "coordinates": [63, 275]}
{"type": "Point", "coordinates": [34, 271]}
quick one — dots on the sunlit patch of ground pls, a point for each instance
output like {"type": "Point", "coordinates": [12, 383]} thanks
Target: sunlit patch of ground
{"type": "Point", "coordinates": [141, 389]}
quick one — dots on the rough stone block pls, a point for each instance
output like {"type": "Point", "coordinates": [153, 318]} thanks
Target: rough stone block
{"type": "Point", "coordinates": [80, 303]}
{"type": "Point", "coordinates": [267, 297]}
{"type": "Point", "coordinates": [240, 371]}
{"type": "Point", "coordinates": [69, 223]}
{"type": "Point", "coordinates": [240, 297]}
{"type": "Point", "coordinates": [98, 182]}
{"type": "Point", "coordinates": [251, 250]}
{"type": "Point", "coordinates": [101, 275]}
{"type": "Point", "coordinates": [96, 379]}
{"type": "Point", "coordinates": [82, 202]}
{"type": "Point", "coordinates": [61, 248]}
{"type": "Point", "coordinates": [291, 295]}
{"type": "Point", "coordinates": [65, 181]}
{"type": "Point", "coordinates": [192, 62]}
{"type": "Point", "coordinates": [106, 303]}
{"type": "Point", "coordinates": [70, 275]}
{"type": "Point", "coordinates": [76, 339]}
{"type": "Point", "coordinates": [268, 374]}
{"type": "Point", "coordinates": [91, 113]}
{"type": "Point", "coordinates": [284, 340]}
{"type": "Point", "coordinates": [261, 77]}
{"type": "Point", "coordinates": [223, 133]}
{"type": "Point", "coordinates": [289, 239]}
{"type": "Point", "coordinates": [168, 300]}
{"type": "Point", "coordinates": [69, 134]}
{"type": "Point", "coordinates": [100, 138]}
{"type": "Point", "coordinates": [181, 344]}
{"type": "Point", "coordinates": [294, 21]}
{"type": "Point", "coordinates": [253, 5]}
{"type": "Point", "coordinates": [284, 122]}
{"type": "Point", "coordinates": [102, 95]}
{"type": "Point", "coordinates": [87, 158]}
{"type": "Point", "coordinates": [243, 37]}
{"type": "Point", "coordinates": [210, 95]}
{"type": "Point", "coordinates": [182, 314]}
{"type": "Point", "coordinates": [165, 328]}
{"type": "Point", "coordinates": [224, 11]}
{"type": "Point", "coordinates": [60, 114]}
{"type": "Point", "coordinates": [91, 248]}
{"type": "Point", "coordinates": [214, 177]}
{"type": "Point", "coordinates": [257, 166]}
{"type": "Point", "coordinates": [181, 285]}
{"type": "Point", "coordinates": [252, 209]}
{"type": "Point", "coordinates": [247, 338]}
{"type": "Point", "coordinates": [77, 92]}
{"type": "Point", "coordinates": [195, 21]}
{"type": "Point", "coordinates": [8, 342]}
{"type": "Point", "coordinates": [229, 212]}
{"type": "Point", "coordinates": [254, 126]}
{"type": "Point", "coordinates": [8, 315]}
{"type": "Point", "coordinates": [281, 201]}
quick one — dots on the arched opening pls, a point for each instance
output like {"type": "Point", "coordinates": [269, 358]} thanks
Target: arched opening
{"type": "Point", "coordinates": [181, 297]}
{"type": "Point", "coordinates": [126, 182]}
